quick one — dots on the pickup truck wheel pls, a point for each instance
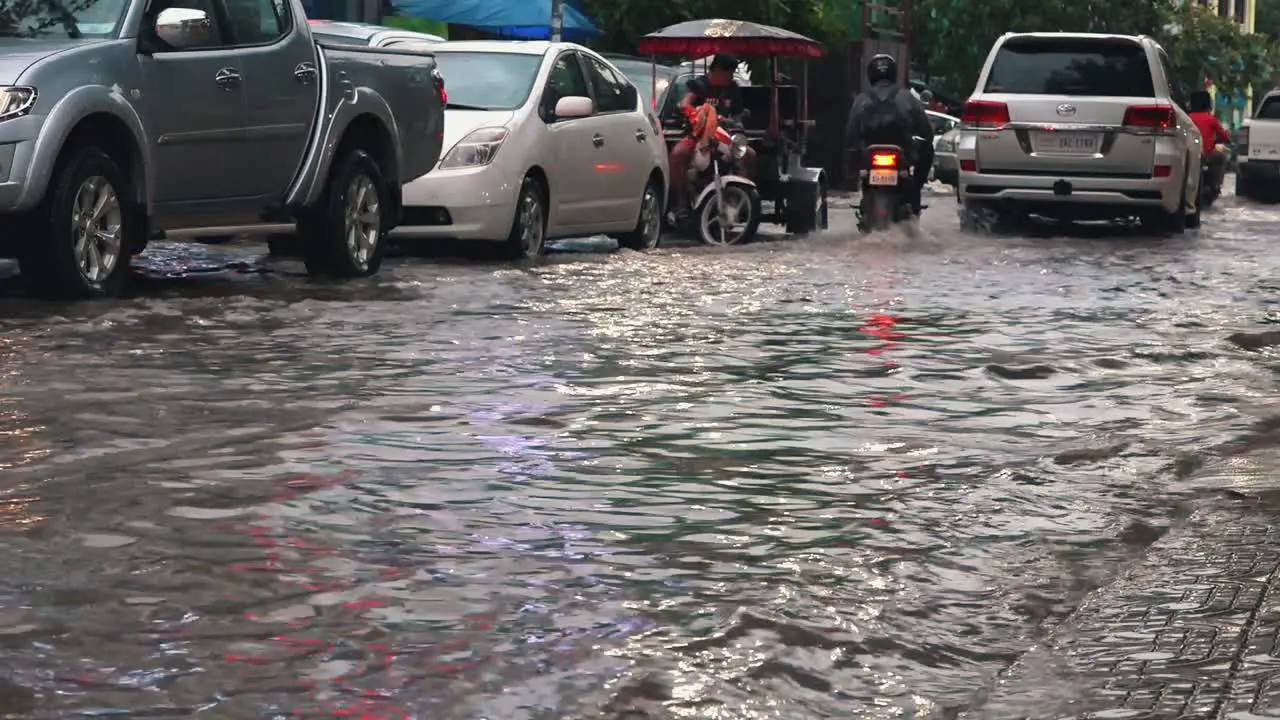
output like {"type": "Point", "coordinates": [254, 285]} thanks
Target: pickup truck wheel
{"type": "Point", "coordinates": [344, 236]}
{"type": "Point", "coordinates": [89, 228]}
{"type": "Point", "coordinates": [1243, 187]}
{"type": "Point", "coordinates": [529, 226]}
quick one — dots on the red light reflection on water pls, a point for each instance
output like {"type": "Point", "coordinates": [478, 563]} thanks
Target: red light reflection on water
{"type": "Point", "coordinates": [294, 561]}
{"type": "Point", "coordinates": [883, 326]}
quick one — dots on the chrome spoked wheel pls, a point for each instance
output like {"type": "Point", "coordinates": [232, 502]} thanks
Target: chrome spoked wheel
{"type": "Point", "coordinates": [651, 217]}
{"type": "Point", "coordinates": [726, 223]}
{"type": "Point", "coordinates": [532, 226]}
{"type": "Point", "coordinates": [97, 226]}
{"type": "Point", "coordinates": [362, 223]}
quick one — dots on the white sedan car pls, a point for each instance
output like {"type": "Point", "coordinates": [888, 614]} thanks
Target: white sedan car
{"type": "Point", "coordinates": [545, 140]}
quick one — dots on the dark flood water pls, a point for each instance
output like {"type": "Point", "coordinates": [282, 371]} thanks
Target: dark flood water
{"type": "Point", "coordinates": [830, 478]}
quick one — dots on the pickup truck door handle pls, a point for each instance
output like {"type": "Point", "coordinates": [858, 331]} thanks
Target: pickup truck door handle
{"type": "Point", "coordinates": [305, 73]}
{"type": "Point", "coordinates": [227, 78]}
{"type": "Point", "coordinates": [597, 140]}
{"type": "Point", "coordinates": [641, 136]}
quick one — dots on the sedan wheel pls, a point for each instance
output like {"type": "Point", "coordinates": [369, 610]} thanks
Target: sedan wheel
{"type": "Point", "coordinates": [529, 227]}
{"type": "Point", "coordinates": [648, 232]}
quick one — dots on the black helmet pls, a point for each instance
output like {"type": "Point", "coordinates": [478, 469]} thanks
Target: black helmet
{"type": "Point", "coordinates": [882, 67]}
{"type": "Point", "coordinates": [724, 61]}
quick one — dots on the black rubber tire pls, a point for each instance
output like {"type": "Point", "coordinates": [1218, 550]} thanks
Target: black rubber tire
{"type": "Point", "coordinates": [47, 262]}
{"type": "Point", "coordinates": [284, 245]}
{"type": "Point", "coordinates": [323, 229]}
{"type": "Point", "coordinates": [514, 247]}
{"type": "Point", "coordinates": [636, 239]}
{"type": "Point", "coordinates": [753, 227]}
{"type": "Point", "coordinates": [1244, 188]}
{"type": "Point", "coordinates": [881, 209]}
{"type": "Point", "coordinates": [1174, 223]}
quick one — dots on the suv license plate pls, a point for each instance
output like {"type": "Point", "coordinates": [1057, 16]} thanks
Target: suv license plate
{"type": "Point", "coordinates": [884, 177]}
{"type": "Point", "coordinates": [1066, 143]}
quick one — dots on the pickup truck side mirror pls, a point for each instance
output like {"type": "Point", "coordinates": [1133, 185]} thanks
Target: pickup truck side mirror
{"type": "Point", "coordinates": [184, 28]}
{"type": "Point", "coordinates": [574, 106]}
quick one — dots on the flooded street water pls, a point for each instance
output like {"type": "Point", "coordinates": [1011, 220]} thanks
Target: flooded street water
{"type": "Point", "coordinates": [828, 478]}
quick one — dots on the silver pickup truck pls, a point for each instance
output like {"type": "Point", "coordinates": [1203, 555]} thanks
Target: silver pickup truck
{"type": "Point", "coordinates": [121, 119]}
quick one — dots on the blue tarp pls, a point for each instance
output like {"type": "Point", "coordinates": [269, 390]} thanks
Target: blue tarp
{"type": "Point", "coordinates": [527, 19]}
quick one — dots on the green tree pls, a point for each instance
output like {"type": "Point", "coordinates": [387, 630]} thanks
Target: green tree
{"type": "Point", "coordinates": [951, 38]}
{"type": "Point", "coordinates": [1202, 45]}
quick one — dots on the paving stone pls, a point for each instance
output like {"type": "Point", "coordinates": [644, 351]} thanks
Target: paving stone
{"type": "Point", "coordinates": [1191, 631]}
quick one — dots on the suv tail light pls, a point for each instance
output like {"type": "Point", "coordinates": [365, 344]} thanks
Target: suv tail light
{"type": "Point", "coordinates": [884, 160]}
{"type": "Point", "coordinates": [1149, 118]}
{"type": "Point", "coordinates": [438, 79]}
{"type": "Point", "coordinates": [984, 115]}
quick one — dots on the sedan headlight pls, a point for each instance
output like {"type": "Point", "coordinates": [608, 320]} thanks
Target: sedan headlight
{"type": "Point", "coordinates": [477, 149]}
{"type": "Point", "coordinates": [16, 101]}
{"type": "Point", "coordinates": [739, 146]}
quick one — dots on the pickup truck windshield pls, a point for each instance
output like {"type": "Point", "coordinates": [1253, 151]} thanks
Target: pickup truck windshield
{"type": "Point", "coordinates": [1086, 67]}
{"type": "Point", "coordinates": [61, 18]}
{"type": "Point", "coordinates": [488, 80]}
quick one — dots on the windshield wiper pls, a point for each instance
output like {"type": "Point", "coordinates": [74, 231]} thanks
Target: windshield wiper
{"type": "Point", "coordinates": [460, 106]}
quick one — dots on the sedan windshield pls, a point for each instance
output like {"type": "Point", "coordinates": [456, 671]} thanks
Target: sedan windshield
{"type": "Point", "coordinates": [488, 80]}
{"type": "Point", "coordinates": [61, 18]}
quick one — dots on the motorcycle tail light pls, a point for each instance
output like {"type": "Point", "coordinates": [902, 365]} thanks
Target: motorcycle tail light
{"type": "Point", "coordinates": [884, 160]}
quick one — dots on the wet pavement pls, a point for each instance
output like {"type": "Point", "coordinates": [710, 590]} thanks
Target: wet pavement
{"type": "Point", "coordinates": [906, 475]}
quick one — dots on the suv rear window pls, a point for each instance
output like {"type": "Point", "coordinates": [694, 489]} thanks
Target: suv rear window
{"type": "Point", "coordinates": [1269, 110]}
{"type": "Point", "coordinates": [1096, 68]}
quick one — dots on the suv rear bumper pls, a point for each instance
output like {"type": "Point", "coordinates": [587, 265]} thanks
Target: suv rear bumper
{"type": "Point", "coordinates": [1040, 190]}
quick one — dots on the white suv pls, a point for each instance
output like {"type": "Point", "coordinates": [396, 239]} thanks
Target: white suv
{"type": "Point", "coordinates": [1079, 126]}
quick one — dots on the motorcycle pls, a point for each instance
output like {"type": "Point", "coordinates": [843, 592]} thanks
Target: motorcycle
{"type": "Point", "coordinates": [727, 204]}
{"type": "Point", "coordinates": [1211, 177]}
{"type": "Point", "coordinates": [886, 192]}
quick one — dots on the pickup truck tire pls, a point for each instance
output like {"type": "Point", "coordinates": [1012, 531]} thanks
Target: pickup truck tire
{"type": "Point", "coordinates": [648, 231]}
{"type": "Point", "coordinates": [86, 229]}
{"type": "Point", "coordinates": [284, 245]}
{"type": "Point", "coordinates": [529, 226]}
{"type": "Point", "coordinates": [345, 235]}
{"type": "Point", "coordinates": [1244, 188]}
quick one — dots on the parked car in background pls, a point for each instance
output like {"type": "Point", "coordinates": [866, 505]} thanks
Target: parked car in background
{"type": "Point", "coordinates": [1079, 126]}
{"type": "Point", "coordinates": [546, 140]}
{"type": "Point", "coordinates": [945, 128]}
{"type": "Point", "coordinates": [369, 35]}
{"type": "Point", "coordinates": [1258, 152]}
{"type": "Point", "coordinates": [133, 116]}
{"type": "Point", "coordinates": [652, 80]}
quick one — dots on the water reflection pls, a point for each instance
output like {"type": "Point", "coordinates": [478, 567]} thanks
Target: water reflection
{"type": "Point", "coordinates": [827, 479]}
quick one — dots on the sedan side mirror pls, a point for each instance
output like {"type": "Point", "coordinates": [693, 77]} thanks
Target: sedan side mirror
{"type": "Point", "coordinates": [574, 106]}
{"type": "Point", "coordinates": [184, 28]}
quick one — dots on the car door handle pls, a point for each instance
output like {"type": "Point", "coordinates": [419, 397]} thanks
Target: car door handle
{"type": "Point", "coordinates": [597, 140]}
{"type": "Point", "coordinates": [227, 78]}
{"type": "Point", "coordinates": [305, 73]}
{"type": "Point", "coordinates": [641, 136]}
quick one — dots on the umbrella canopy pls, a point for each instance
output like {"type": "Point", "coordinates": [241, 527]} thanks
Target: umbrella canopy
{"type": "Point", "coordinates": [697, 38]}
{"type": "Point", "coordinates": [527, 19]}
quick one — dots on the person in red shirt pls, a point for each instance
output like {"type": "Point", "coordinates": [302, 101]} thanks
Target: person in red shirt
{"type": "Point", "coordinates": [1200, 108]}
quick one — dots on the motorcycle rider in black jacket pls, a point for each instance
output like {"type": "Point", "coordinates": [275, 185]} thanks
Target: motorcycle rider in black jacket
{"type": "Point", "coordinates": [882, 89]}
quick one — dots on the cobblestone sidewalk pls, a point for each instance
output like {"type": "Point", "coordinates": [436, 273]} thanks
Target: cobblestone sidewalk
{"type": "Point", "coordinates": [1190, 632]}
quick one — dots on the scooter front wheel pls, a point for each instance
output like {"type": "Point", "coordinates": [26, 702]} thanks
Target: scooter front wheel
{"type": "Point", "coordinates": [741, 215]}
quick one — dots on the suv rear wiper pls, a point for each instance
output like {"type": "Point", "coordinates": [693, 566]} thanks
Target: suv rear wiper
{"type": "Point", "coordinates": [460, 106]}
